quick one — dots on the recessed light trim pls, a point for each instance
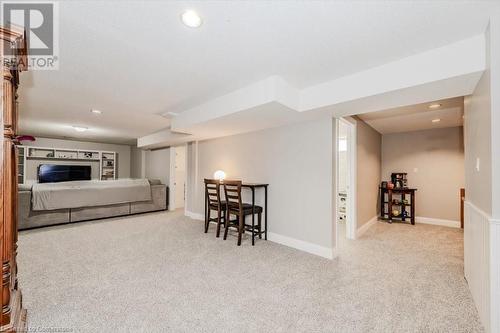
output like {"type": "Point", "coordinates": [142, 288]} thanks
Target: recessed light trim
{"type": "Point", "coordinates": [434, 106]}
{"type": "Point", "coordinates": [437, 120]}
{"type": "Point", "coordinates": [80, 128]}
{"type": "Point", "coordinates": [191, 19]}
{"type": "Point", "coordinates": [94, 111]}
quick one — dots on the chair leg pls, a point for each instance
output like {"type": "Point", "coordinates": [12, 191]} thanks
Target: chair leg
{"type": "Point", "coordinates": [260, 225]}
{"type": "Point", "coordinates": [219, 220]}
{"type": "Point", "coordinates": [226, 224]}
{"type": "Point", "coordinates": [253, 229]}
{"type": "Point", "coordinates": [207, 220]}
{"type": "Point", "coordinates": [240, 228]}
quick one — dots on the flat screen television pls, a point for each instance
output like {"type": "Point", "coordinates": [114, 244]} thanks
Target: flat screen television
{"type": "Point", "coordinates": [53, 173]}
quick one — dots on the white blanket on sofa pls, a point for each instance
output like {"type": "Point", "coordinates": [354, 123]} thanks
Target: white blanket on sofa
{"type": "Point", "coordinates": [89, 193]}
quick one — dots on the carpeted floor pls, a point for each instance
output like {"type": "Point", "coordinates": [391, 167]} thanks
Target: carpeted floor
{"type": "Point", "coordinates": [160, 273]}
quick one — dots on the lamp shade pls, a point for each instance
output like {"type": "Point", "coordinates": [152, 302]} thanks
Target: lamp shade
{"type": "Point", "coordinates": [219, 175]}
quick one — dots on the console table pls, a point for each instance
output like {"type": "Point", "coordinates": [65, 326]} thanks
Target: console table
{"type": "Point", "coordinates": [397, 198]}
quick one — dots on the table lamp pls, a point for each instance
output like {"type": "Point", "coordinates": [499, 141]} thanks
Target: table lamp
{"type": "Point", "coordinates": [219, 175]}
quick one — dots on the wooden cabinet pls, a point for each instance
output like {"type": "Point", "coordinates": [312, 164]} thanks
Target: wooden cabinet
{"type": "Point", "coordinates": [397, 204]}
{"type": "Point", "coordinates": [13, 316]}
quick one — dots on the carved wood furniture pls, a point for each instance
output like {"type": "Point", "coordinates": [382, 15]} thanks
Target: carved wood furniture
{"type": "Point", "coordinates": [213, 203]}
{"type": "Point", "coordinates": [13, 316]}
{"type": "Point", "coordinates": [397, 198]}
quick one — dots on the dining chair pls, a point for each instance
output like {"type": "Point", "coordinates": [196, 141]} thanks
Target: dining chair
{"type": "Point", "coordinates": [235, 206]}
{"type": "Point", "coordinates": [213, 203]}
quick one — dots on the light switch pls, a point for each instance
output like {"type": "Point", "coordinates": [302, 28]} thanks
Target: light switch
{"type": "Point", "coordinates": [477, 164]}
{"type": "Point", "coordinates": [415, 170]}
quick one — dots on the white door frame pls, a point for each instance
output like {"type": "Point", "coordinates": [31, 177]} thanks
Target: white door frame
{"type": "Point", "coordinates": [351, 217]}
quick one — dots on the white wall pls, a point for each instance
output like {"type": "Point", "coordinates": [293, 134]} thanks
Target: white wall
{"type": "Point", "coordinates": [296, 161]}
{"type": "Point", "coordinates": [495, 148]}
{"type": "Point", "coordinates": [123, 152]}
{"type": "Point", "coordinates": [482, 179]}
{"type": "Point", "coordinates": [158, 165]}
{"type": "Point", "coordinates": [342, 156]}
{"type": "Point", "coordinates": [137, 163]}
{"type": "Point", "coordinates": [368, 163]}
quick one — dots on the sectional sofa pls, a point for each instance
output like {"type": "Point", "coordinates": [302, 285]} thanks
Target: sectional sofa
{"type": "Point", "coordinates": [29, 218]}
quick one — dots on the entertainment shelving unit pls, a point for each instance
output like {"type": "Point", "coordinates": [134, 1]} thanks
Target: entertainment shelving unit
{"type": "Point", "coordinates": [108, 165]}
{"type": "Point", "coordinates": [106, 159]}
{"type": "Point", "coordinates": [21, 165]}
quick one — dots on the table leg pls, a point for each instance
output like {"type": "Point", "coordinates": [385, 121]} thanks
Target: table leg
{"type": "Point", "coordinates": [389, 204]}
{"type": "Point", "coordinates": [412, 210]}
{"type": "Point", "coordinates": [403, 207]}
{"type": "Point", "coordinates": [206, 204]}
{"type": "Point", "coordinates": [253, 216]}
{"type": "Point", "coordinates": [265, 213]}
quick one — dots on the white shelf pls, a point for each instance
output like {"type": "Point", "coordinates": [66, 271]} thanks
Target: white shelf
{"type": "Point", "coordinates": [107, 170]}
{"type": "Point", "coordinates": [108, 165]}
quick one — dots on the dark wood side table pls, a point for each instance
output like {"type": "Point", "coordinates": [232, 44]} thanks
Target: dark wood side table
{"type": "Point", "coordinates": [253, 187]}
{"type": "Point", "coordinates": [397, 197]}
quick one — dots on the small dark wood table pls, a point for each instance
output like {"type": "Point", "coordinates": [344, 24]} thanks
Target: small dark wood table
{"type": "Point", "coordinates": [253, 187]}
{"type": "Point", "coordinates": [403, 203]}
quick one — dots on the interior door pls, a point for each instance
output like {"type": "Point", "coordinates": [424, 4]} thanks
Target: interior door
{"type": "Point", "coordinates": [180, 176]}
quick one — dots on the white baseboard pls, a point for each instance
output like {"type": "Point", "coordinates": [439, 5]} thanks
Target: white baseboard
{"type": "Point", "coordinates": [298, 244]}
{"type": "Point", "coordinates": [361, 230]}
{"type": "Point", "coordinates": [441, 222]}
{"type": "Point", "coordinates": [194, 216]}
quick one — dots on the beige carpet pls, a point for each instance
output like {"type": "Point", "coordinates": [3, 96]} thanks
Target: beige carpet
{"type": "Point", "coordinates": [160, 273]}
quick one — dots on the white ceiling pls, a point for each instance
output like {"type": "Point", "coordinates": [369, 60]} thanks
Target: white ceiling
{"type": "Point", "coordinates": [417, 117]}
{"type": "Point", "coordinates": [135, 60]}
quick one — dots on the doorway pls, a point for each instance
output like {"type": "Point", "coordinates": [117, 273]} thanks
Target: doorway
{"type": "Point", "coordinates": [345, 184]}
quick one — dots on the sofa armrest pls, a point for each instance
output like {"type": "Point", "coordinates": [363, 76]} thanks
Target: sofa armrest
{"type": "Point", "coordinates": [31, 219]}
{"type": "Point", "coordinates": [159, 200]}
{"type": "Point", "coordinates": [159, 195]}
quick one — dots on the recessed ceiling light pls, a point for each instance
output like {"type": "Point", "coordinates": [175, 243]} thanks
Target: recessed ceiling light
{"type": "Point", "coordinates": [435, 106]}
{"type": "Point", "coordinates": [436, 120]}
{"type": "Point", "coordinates": [191, 19]}
{"type": "Point", "coordinates": [80, 128]}
{"type": "Point", "coordinates": [94, 111]}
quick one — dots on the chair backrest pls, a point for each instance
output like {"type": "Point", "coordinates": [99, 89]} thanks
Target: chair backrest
{"type": "Point", "coordinates": [212, 192]}
{"type": "Point", "coordinates": [232, 192]}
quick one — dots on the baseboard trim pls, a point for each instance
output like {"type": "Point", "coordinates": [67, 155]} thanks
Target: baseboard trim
{"type": "Point", "coordinates": [440, 222]}
{"type": "Point", "coordinates": [298, 244]}
{"type": "Point", "coordinates": [194, 216]}
{"type": "Point", "coordinates": [364, 228]}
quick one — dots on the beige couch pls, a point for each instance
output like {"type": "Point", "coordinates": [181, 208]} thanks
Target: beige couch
{"type": "Point", "coordinates": [33, 219]}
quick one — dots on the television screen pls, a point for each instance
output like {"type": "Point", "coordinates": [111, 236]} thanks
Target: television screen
{"type": "Point", "coordinates": [52, 173]}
